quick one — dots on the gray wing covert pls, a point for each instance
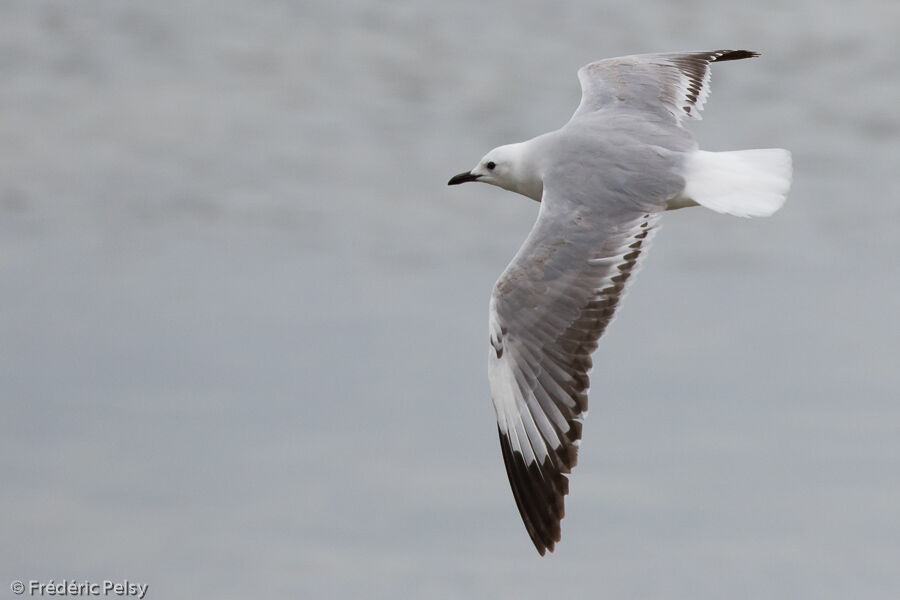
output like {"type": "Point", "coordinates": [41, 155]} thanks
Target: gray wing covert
{"type": "Point", "coordinates": [675, 84]}
{"type": "Point", "coordinates": [548, 310]}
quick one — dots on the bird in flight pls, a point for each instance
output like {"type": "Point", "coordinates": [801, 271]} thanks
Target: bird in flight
{"type": "Point", "coordinates": [603, 180]}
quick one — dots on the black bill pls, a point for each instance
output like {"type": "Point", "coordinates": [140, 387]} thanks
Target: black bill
{"type": "Point", "coordinates": [462, 178]}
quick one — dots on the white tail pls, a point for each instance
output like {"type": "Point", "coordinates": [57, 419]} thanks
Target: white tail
{"type": "Point", "coordinates": [744, 183]}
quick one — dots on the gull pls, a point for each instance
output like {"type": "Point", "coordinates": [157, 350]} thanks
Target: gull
{"type": "Point", "coordinates": [603, 180]}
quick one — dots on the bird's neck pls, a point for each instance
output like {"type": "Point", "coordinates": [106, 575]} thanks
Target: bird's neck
{"type": "Point", "coordinates": [526, 173]}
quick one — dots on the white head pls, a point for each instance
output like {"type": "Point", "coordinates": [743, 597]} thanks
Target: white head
{"type": "Point", "coordinates": [506, 167]}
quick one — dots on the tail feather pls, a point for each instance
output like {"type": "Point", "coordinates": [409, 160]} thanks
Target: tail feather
{"type": "Point", "coordinates": [744, 183]}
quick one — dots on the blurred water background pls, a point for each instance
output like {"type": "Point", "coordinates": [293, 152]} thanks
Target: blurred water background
{"type": "Point", "coordinates": [244, 321]}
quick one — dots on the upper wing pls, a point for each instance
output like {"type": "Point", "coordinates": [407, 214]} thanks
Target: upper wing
{"type": "Point", "coordinates": [677, 83]}
{"type": "Point", "coordinates": [548, 309]}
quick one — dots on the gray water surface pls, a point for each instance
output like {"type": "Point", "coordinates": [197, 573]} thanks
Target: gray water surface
{"type": "Point", "coordinates": [244, 321]}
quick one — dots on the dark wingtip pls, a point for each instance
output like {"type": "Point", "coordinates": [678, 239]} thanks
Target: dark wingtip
{"type": "Point", "coordinates": [540, 501]}
{"type": "Point", "coordinates": [735, 55]}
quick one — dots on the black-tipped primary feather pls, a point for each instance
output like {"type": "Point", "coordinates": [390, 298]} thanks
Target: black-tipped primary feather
{"type": "Point", "coordinates": [680, 78]}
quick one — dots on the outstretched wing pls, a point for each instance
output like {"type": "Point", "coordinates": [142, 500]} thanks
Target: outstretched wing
{"type": "Point", "coordinates": [548, 310]}
{"type": "Point", "coordinates": [677, 83]}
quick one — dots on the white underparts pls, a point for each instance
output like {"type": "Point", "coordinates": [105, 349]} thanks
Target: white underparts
{"type": "Point", "coordinates": [744, 183]}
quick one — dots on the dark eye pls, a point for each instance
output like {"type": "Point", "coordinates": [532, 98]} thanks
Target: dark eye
{"type": "Point", "coordinates": [491, 165]}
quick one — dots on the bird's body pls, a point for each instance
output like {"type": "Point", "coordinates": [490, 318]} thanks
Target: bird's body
{"type": "Point", "coordinates": [603, 180]}
{"type": "Point", "coordinates": [641, 146]}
